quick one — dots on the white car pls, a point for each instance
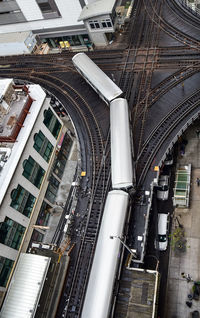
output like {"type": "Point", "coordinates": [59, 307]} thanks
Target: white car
{"type": "Point", "coordinates": [163, 187]}
{"type": "Point", "coordinates": [162, 242]}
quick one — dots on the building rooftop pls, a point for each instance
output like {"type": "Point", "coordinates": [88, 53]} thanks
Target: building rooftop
{"type": "Point", "coordinates": [97, 8]}
{"type": "Point", "coordinates": [137, 295]}
{"type": "Point", "coordinates": [10, 152]}
{"type": "Point", "coordinates": [14, 37]}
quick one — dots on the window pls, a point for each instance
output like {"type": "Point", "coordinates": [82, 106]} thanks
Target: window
{"type": "Point", "coordinates": [33, 172]}
{"type": "Point", "coordinates": [51, 122]}
{"type": "Point", "coordinates": [11, 233]}
{"type": "Point", "coordinates": [106, 23]}
{"type": "Point", "coordinates": [43, 146]}
{"type": "Point", "coordinates": [52, 189]}
{"type": "Point", "coordinates": [5, 269]}
{"type": "Point", "coordinates": [36, 237]}
{"type": "Point", "coordinates": [47, 6]}
{"type": "Point", "coordinates": [94, 24]}
{"type": "Point", "coordinates": [62, 156]}
{"type": "Point", "coordinates": [44, 214]}
{"type": "Point", "coordinates": [22, 201]}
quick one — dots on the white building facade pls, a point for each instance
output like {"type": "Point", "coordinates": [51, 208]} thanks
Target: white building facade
{"type": "Point", "coordinates": [77, 23]}
{"type": "Point", "coordinates": [53, 21]}
{"type": "Point", "coordinates": [33, 152]}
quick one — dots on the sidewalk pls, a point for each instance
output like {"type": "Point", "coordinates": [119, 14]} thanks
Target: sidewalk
{"type": "Point", "coordinates": [186, 262]}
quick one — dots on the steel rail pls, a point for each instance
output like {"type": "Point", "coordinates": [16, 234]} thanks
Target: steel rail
{"type": "Point", "coordinates": [162, 131]}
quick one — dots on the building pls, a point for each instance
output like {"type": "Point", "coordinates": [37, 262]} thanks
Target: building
{"type": "Point", "coordinates": [101, 20]}
{"type": "Point", "coordinates": [76, 24]}
{"type": "Point", "coordinates": [53, 21]}
{"type": "Point", "coordinates": [17, 43]}
{"type": "Point", "coordinates": [34, 148]}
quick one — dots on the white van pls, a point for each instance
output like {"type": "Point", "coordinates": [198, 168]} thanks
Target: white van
{"type": "Point", "coordinates": [162, 232]}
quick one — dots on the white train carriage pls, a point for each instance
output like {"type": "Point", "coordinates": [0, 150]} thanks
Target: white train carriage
{"type": "Point", "coordinates": [99, 81]}
{"type": "Point", "coordinates": [121, 159]}
{"type": "Point", "coordinates": [106, 259]}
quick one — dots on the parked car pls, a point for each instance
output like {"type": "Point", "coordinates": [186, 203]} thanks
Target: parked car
{"type": "Point", "coordinates": [169, 159]}
{"type": "Point", "coordinates": [162, 239]}
{"type": "Point", "coordinates": [163, 187]}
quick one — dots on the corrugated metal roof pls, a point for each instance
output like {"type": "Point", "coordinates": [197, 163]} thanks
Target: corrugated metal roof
{"type": "Point", "coordinates": [97, 8]}
{"type": "Point", "coordinates": [14, 37]}
{"type": "Point", "coordinates": [25, 287]}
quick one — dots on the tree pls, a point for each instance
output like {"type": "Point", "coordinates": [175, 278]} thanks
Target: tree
{"type": "Point", "coordinates": [178, 241]}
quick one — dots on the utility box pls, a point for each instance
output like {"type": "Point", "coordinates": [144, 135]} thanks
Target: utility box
{"type": "Point", "coordinates": [17, 43]}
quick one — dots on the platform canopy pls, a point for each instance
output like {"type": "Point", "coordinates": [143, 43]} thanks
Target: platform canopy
{"type": "Point", "coordinates": [25, 287]}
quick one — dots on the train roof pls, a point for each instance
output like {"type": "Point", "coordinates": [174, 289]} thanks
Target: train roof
{"type": "Point", "coordinates": [96, 76]}
{"type": "Point", "coordinates": [121, 158]}
{"type": "Point", "coordinates": [99, 290]}
{"type": "Point", "coordinates": [97, 8]}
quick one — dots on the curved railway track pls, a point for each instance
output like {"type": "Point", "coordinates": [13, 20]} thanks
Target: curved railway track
{"type": "Point", "coordinates": [162, 131]}
{"type": "Point", "coordinates": [168, 83]}
{"type": "Point", "coordinates": [98, 156]}
{"type": "Point", "coordinates": [170, 29]}
{"type": "Point", "coordinates": [135, 63]}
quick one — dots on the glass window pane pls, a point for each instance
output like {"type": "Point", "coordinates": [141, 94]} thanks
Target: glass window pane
{"type": "Point", "coordinates": [22, 201]}
{"type": "Point", "coordinates": [43, 146]}
{"type": "Point", "coordinates": [5, 270]}
{"type": "Point", "coordinates": [11, 233]}
{"type": "Point", "coordinates": [33, 172]}
{"type": "Point", "coordinates": [44, 214]}
{"type": "Point", "coordinates": [52, 123]}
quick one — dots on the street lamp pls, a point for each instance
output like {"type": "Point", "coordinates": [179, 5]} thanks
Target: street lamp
{"type": "Point", "coordinates": [131, 251]}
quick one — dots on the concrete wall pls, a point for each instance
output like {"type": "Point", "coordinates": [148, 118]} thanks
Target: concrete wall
{"type": "Point", "coordinates": [13, 48]}
{"type": "Point", "coordinates": [98, 38]}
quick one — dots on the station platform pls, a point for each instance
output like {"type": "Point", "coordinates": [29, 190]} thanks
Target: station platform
{"type": "Point", "coordinates": [187, 262]}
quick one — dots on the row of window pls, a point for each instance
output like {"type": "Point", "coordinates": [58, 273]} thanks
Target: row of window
{"type": "Point", "coordinates": [95, 24]}
{"type": "Point", "coordinates": [22, 200]}
{"type": "Point", "coordinates": [11, 232]}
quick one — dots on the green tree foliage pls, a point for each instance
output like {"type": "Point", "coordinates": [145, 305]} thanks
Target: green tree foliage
{"type": "Point", "coordinates": [178, 241]}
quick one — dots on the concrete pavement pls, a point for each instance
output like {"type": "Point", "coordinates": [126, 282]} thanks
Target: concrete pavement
{"type": "Point", "coordinates": [186, 262]}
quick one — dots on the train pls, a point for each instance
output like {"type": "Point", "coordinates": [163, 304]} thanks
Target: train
{"type": "Point", "coordinates": [96, 78]}
{"type": "Point", "coordinates": [121, 152]}
{"type": "Point", "coordinates": [98, 298]}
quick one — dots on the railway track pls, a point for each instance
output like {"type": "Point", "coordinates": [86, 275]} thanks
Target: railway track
{"type": "Point", "coordinates": [170, 29]}
{"type": "Point", "coordinates": [170, 82]}
{"type": "Point", "coordinates": [100, 177]}
{"type": "Point", "coordinates": [162, 131]}
{"type": "Point", "coordinates": [97, 165]}
{"type": "Point", "coordinates": [135, 64]}
{"type": "Point", "coordinates": [77, 279]}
